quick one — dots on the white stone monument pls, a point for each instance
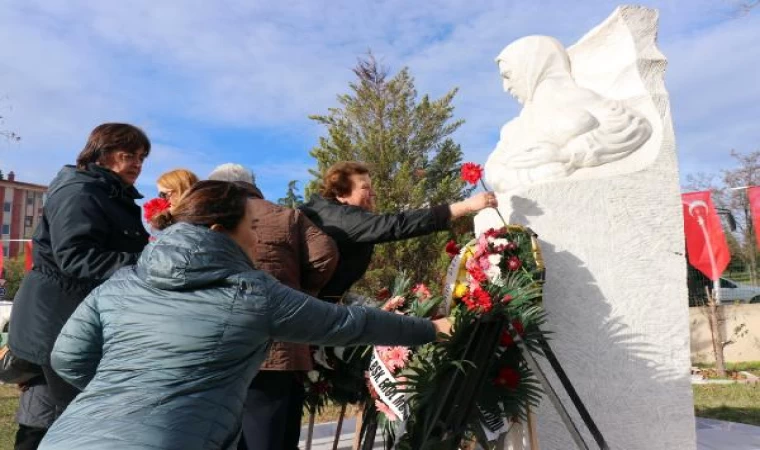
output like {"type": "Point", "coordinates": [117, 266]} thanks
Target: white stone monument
{"type": "Point", "coordinates": [590, 165]}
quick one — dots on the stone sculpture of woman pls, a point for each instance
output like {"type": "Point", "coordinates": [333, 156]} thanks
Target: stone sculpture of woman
{"type": "Point", "coordinates": [562, 127]}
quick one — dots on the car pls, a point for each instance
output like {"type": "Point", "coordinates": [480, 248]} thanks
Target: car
{"type": "Point", "coordinates": [734, 292]}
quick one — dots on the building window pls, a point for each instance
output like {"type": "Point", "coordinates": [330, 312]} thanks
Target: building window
{"type": "Point", "coordinates": [30, 199]}
{"type": "Point", "coordinates": [28, 221]}
{"type": "Point", "coordinates": [6, 228]}
{"type": "Point", "coordinates": [7, 207]}
{"type": "Point", "coordinates": [6, 251]}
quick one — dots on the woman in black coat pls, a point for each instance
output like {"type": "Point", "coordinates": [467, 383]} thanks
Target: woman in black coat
{"type": "Point", "coordinates": [91, 227]}
{"type": "Point", "coordinates": [344, 211]}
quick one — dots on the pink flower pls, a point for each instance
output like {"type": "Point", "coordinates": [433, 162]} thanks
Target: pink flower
{"type": "Point", "coordinates": [421, 291]}
{"type": "Point", "coordinates": [394, 358]}
{"type": "Point", "coordinates": [383, 408]}
{"type": "Point", "coordinates": [394, 303]}
{"type": "Point", "coordinates": [514, 263]}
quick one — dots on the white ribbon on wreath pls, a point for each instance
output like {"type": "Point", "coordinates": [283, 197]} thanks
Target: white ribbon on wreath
{"type": "Point", "coordinates": [384, 383]}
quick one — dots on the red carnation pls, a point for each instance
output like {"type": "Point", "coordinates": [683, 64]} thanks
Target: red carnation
{"type": "Point", "coordinates": [322, 387]}
{"type": "Point", "coordinates": [478, 299]}
{"type": "Point", "coordinates": [471, 172]}
{"type": "Point", "coordinates": [155, 206]}
{"type": "Point", "coordinates": [505, 340]}
{"type": "Point", "coordinates": [495, 232]}
{"type": "Point", "coordinates": [383, 294]}
{"type": "Point", "coordinates": [452, 249]}
{"type": "Point", "coordinates": [508, 378]}
{"type": "Point", "coordinates": [511, 246]}
{"type": "Point", "coordinates": [507, 298]}
{"type": "Point", "coordinates": [518, 326]}
{"type": "Point", "coordinates": [477, 274]}
{"type": "Point", "coordinates": [513, 263]}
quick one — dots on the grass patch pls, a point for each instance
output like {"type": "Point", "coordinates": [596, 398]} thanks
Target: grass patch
{"type": "Point", "coordinates": [748, 366]}
{"type": "Point", "coordinates": [732, 402]}
{"type": "Point", "coordinates": [8, 404]}
{"type": "Point", "coordinates": [330, 413]}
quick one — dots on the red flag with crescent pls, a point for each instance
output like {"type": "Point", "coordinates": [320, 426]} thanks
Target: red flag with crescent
{"type": "Point", "coordinates": [753, 195]}
{"type": "Point", "coordinates": [705, 242]}
{"type": "Point", "coordinates": [28, 256]}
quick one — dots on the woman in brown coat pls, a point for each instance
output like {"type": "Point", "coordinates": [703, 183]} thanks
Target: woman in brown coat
{"type": "Point", "coordinates": [298, 254]}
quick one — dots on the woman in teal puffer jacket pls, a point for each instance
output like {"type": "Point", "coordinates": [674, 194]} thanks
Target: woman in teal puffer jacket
{"type": "Point", "coordinates": [164, 351]}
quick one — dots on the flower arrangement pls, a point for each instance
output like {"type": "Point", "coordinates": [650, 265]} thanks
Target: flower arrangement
{"type": "Point", "coordinates": [470, 385]}
{"type": "Point", "coordinates": [492, 293]}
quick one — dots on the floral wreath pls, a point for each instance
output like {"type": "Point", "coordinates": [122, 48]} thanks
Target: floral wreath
{"type": "Point", "coordinates": [493, 296]}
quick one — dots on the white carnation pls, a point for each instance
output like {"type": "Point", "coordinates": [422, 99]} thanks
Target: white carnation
{"type": "Point", "coordinates": [494, 275]}
{"type": "Point", "coordinates": [313, 376]}
{"type": "Point", "coordinates": [494, 260]}
{"type": "Point", "coordinates": [500, 242]}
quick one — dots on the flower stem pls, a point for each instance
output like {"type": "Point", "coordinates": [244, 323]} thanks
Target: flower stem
{"type": "Point", "coordinates": [482, 183]}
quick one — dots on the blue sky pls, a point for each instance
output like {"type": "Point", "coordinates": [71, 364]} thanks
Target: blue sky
{"type": "Point", "coordinates": [234, 81]}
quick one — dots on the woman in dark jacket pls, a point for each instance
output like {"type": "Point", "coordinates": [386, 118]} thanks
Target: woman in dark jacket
{"type": "Point", "coordinates": [344, 211]}
{"type": "Point", "coordinates": [90, 228]}
{"type": "Point", "coordinates": [165, 350]}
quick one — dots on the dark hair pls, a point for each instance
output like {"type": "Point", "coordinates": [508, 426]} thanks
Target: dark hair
{"type": "Point", "coordinates": [110, 137]}
{"type": "Point", "coordinates": [207, 203]}
{"type": "Point", "coordinates": [337, 180]}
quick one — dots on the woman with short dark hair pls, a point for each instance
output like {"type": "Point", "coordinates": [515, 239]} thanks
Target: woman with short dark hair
{"type": "Point", "coordinates": [164, 351]}
{"type": "Point", "coordinates": [90, 228]}
{"type": "Point", "coordinates": [344, 210]}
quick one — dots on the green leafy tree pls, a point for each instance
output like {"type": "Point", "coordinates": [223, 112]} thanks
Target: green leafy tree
{"type": "Point", "coordinates": [14, 272]}
{"type": "Point", "coordinates": [405, 139]}
{"type": "Point", "coordinates": [292, 198]}
{"type": "Point", "coordinates": [2, 175]}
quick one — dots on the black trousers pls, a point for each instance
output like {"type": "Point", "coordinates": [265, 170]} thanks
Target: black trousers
{"type": "Point", "coordinates": [272, 416]}
{"type": "Point", "coordinates": [46, 406]}
{"type": "Point", "coordinates": [28, 438]}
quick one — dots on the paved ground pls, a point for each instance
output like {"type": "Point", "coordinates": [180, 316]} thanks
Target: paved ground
{"type": "Point", "coordinates": [711, 435]}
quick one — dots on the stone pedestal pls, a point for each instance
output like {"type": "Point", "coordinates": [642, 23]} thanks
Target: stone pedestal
{"type": "Point", "coordinates": [613, 245]}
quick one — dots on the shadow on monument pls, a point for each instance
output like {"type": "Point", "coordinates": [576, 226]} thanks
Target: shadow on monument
{"type": "Point", "coordinates": [587, 329]}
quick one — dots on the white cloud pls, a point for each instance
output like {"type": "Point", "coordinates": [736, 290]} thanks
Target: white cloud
{"type": "Point", "coordinates": [186, 70]}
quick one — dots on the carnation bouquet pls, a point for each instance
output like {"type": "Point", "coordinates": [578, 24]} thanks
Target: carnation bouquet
{"type": "Point", "coordinates": [474, 384]}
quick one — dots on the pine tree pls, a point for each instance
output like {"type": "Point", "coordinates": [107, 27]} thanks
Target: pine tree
{"type": "Point", "coordinates": [413, 161]}
{"type": "Point", "coordinates": [292, 198]}
{"type": "Point", "coordinates": [2, 175]}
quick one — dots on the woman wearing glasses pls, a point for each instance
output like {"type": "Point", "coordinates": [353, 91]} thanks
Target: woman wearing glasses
{"type": "Point", "coordinates": [90, 228]}
{"type": "Point", "coordinates": [171, 185]}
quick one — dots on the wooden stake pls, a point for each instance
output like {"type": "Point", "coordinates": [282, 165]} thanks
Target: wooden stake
{"type": "Point", "coordinates": [339, 427]}
{"type": "Point", "coordinates": [358, 433]}
{"type": "Point", "coordinates": [310, 432]}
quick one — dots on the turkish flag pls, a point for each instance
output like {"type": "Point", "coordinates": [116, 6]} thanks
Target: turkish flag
{"type": "Point", "coordinates": [28, 256]}
{"type": "Point", "coordinates": [705, 241]}
{"type": "Point", "coordinates": [753, 195]}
